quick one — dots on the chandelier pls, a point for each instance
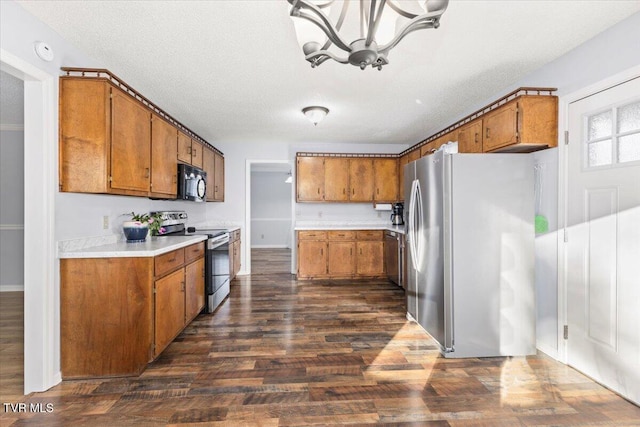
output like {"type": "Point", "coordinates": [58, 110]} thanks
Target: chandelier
{"type": "Point", "coordinates": [365, 33]}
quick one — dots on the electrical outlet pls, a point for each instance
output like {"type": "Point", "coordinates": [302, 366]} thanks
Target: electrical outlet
{"type": "Point", "coordinates": [105, 222]}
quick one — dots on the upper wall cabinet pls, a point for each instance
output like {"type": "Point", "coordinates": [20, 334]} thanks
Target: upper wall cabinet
{"type": "Point", "coordinates": [346, 179]}
{"type": "Point", "coordinates": [527, 123]}
{"type": "Point", "coordinates": [105, 138]}
{"type": "Point", "coordinates": [115, 141]}
{"type": "Point", "coordinates": [470, 137]}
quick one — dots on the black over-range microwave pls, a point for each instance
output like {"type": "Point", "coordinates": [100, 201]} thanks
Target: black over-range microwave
{"type": "Point", "coordinates": [192, 183]}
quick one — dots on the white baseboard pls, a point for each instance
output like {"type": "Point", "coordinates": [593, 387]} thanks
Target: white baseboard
{"type": "Point", "coordinates": [11, 288]}
{"type": "Point", "coordinates": [269, 247]}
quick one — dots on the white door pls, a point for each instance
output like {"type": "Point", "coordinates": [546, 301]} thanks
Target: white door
{"type": "Point", "coordinates": [603, 232]}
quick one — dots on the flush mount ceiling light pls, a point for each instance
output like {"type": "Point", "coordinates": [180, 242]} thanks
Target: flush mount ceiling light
{"type": "Point", "coordinates": [329, 29]}
{"type": "Point", "coordinates": [315, 114]}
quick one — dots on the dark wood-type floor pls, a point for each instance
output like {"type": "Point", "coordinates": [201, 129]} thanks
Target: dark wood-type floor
{"type": "Point", "coordinates": [270, 261]}
{"type": "Point", "coordinates": [11, 346]}
{"type": "Point", "coordinates": [280, 352]}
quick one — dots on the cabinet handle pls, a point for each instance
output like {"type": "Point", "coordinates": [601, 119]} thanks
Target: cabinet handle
{"type": "Point", "coordinates": [318, 190]}
{"type": "Point", "coordinates": [321, 251]}
{"type": "Point", "coordinates": [175, 179]}
{"type": "Point", "coordinates": [476, 138]}
{"type": "Point", "coordinates": [353, 191]}
{"type": "Point", "coordinates": [486, 135]}
{"type": "Point", "coordinates": [195, 153]}
{"type": "Point", "coordinates": [188, 150]}
{"type": "Point", "coordinates": [146, 172]}
{"type": "Point", "coordinates": [377, 191]}
{"type": "Point", "coordinates": [360, 251]}
{"type": "Point", "coordinates": [183, 286]}
{"type": "Point", "coordinates": [350, 251]}
{"type": "Point", "coordinates": [344, 191]}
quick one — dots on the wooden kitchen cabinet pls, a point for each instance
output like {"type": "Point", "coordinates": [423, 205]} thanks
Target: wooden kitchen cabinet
{"type": "Point", "coordinates": [118, 314]}
{"type": "Point", "coordinates": [235, 255]}
{"type": "Point", "coordinates": [312, 258]}
{"type": "Point", "coordinates": [524, 124]}
{"type": "Point", "coordinates": [341, 260]}
{"type": "Point", "coordinates": [208, 165]}
{"type": "Point", "coordinates": [370, 258]}
{"type": "Point", "coordinates": [130, 143]}
{"type": "Point", "coordinates": [336, 179]}
{"type": "Point", "coordinates": [164, 142]}
{"type": "Point", "coordinates": [218, 181]}
{"type": "Point", "coordinates": [169, 309]}
{"type": "Point", "coordinates": [470, 137]}
{"type": "Point", "coordinates": [106, 316]}
{"type": "Point", "coordinates": [196, 154]}
{"type": "Point", "coordinates": [340, 254]}
{"type": "Point", "coordinates": [414, 155]}
{"type": "Point", "coordinates": [184, 148]}
{"type": "Point", "coordinates": [310, 179]}
{"type": "Point", "coordinates": [361, 180]}
{"type": "Point", "coordinates": [427, 148]}
{"type": "Point", "coordinates": [194, 289]}
{"type": "Point", "coordinates": [385, 172]}
{"type": "Point", "coordinates": [105, 138]}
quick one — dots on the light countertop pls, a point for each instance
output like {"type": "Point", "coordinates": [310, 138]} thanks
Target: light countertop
{"type": "Point", "coordinates": [348, 225]}
{"type": "Point", "coordinates": [148, 248]}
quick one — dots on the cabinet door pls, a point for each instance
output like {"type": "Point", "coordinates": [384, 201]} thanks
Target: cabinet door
{"type": "Point", "coordinates": [194, 288]}
{"type": "Point", "coordinates": [427, 148]}
{"type": "Point", "coordinates": [164, 143]}
{"type": "Point", "coordinates": [336, 179]}
{"type": "Point", "coordinates": [342, 258]}
{"type": "Point", "coordinates": [361, 180]}
{"type": "Point", "coordinates": [208, 164]}
{"type": "Point", "coordinates": [184, 148]}
{"type": "Point", "coordinates": [218, 181]}
{"type": "Point", "coordinates": [385, 172]}
{"type": "Point", "coordinates": [130, 144]}
{"type": "Point", "coordinates": [414, 155]}
{"type": "Point", "coordinates": [196, 154]}
{"type": "Point", "coordinates": [310, 179]}
{"type": "Point", "coordinates": [470, 137]}
{"type": "Point", "coordinates": [370, 258]}
{"type": "Point", "coordinates": [169, 309]}
{"type": "Point", "coordinates": [499, 127]}
{"type": "Point", "coordinates": [312, 258]}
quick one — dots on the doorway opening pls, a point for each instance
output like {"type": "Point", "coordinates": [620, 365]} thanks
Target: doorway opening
{"type": "Point", "coordinates": [11, 237]}
{"type": "Point", "coordinates": [270, 190]}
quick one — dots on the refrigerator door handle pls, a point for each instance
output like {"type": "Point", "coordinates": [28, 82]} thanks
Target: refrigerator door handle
{"type": "Point", "coordinates": [411, 232]}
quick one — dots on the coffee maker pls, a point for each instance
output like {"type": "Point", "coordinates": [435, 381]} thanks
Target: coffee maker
{"type": "Point", "coordinates": [396, 214]}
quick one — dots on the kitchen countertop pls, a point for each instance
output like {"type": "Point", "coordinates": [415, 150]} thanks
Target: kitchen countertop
{"type": "Point", "coordinates": [348, 225]}
{"type": "Point", "coordinates": [122, 249]}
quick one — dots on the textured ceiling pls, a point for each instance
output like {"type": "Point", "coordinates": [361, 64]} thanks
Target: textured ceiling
{"type": "Point", "coordinates": [11, 100]}
{"type": "Point", "coordinates": [233, 71]}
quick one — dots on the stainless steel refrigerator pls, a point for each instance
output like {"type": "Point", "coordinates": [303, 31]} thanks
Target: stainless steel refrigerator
{"type": "Point", "coordinates": [470, 238]}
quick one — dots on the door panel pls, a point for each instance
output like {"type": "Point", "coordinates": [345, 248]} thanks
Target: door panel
{"type": "Point", "coordinates": [336, 179]}
{"type": "Point", "coordinates": [164, 143]}
{"type": "Point", "coordinates": [603, 242]}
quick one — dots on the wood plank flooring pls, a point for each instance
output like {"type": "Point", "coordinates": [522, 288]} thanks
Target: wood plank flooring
{"type": "Point", "coordinates": [280, 352]}
{"type": "Point", "coordinates": [270, 261]}
{"type": "Point", "coordinates": [11, 346]}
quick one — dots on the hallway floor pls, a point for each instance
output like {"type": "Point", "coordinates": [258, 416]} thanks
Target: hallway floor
{"type": "Point", "coordinates": [281, 352]}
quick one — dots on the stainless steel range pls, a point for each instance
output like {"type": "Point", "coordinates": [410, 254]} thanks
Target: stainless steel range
{"type": "Point", "coordinates": [217, 274]}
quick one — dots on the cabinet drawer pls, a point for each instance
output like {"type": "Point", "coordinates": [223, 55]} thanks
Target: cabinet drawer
{"type": "Point", "coordinates": [312, 235]}
{"type": "Point", "coordinates": [342, 235]}
{"type": "Point", "coordinates": [194, 252]}
{"type": "Point", "coordinates": [169, 261]}
{"type": "Point", "coordinates": [369, 234]}
{"type": "Point", "coordinates": [234, 235]}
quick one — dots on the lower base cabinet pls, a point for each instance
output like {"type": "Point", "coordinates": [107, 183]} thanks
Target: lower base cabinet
{"type": "Point", "coordinates": [234, 254]}
{"type": "Point", "coordinates": [118, 314]}
{"type": "Point", "coordinates": [340, 254]}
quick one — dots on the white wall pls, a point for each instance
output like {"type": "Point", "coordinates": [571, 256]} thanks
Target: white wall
{"type": "Point", "coordinates": [270, 210]}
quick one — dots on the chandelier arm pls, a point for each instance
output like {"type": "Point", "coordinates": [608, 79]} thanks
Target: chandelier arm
{"type": "Point", "coordinates": [428, 20]}
{"type": "Point", "coordinates": [343, 14]}
{"type": "Point", "coordinates": [373, 23]}
{"type": "Point", "coordinates": [320, 56]}
{"type": "Point", "coordinates": [400, 11]}
{"type": "Point", "coordinates": [322, 21]}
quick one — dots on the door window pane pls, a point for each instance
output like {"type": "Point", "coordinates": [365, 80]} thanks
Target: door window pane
{"type": "Point", "coordinates": [600, 153]}
{"type": "Point", "coordinates": [629, 118]}
{"type": "Point", "coordinates": [600, 125]}
{"type": "Point", "coordinates": [629, 148]}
